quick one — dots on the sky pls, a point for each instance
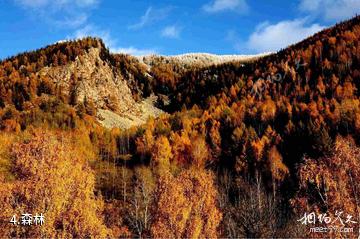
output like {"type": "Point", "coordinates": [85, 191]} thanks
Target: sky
{"type": "Point", "coordinates": [171, 27]}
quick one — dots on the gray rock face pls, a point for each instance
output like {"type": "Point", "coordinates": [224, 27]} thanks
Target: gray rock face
{"type": "Point", "coordinates": [89, 77]}
{"type": "Point", "coordinates": [96, 80]}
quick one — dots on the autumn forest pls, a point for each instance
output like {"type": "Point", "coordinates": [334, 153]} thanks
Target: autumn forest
{"type": "Point", "coordinates": [241, 149]}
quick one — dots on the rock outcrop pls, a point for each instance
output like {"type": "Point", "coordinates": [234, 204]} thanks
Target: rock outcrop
{"type": "Point", "coordinates": [91, 78]}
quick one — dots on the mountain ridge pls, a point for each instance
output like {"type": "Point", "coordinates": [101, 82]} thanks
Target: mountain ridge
{"type": "Point", "coordinates": [86, 70]}
{"type": "Point", "coordinates": [123, 82]}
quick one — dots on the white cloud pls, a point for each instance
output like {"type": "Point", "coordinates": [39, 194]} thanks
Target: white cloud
{"type": "Point", "coordinates": [109, 41]}
{"type": "Point", "coordinates": [151, 15]}
{"type": "Point", "coordinates": [60, 13]}
{"type": "Point", "coordinates": [91, 30]}
{"type": "Point", "coordinates": [56, 4]}
{"type": "Point", "coordinates": [70, 21]}
{"type": "Point", "coordinates": [32, 3]}
{"type": "Point", "coordinates": [238, 43]}
{"type": "Point", "coordinates": [86, 2]}
{"type": "Point", "coordinates": [75, 14]}
{"type": "Point", "coordinates": [172, 31]}
{"type": "Point", "coordinates": [226, 5]}
{"type": "Point", "coordinates": [272, 37]}
{"type": "Point", "coordinates": [135, 51]}
{"type": "Point", "coordinates": [331, 9]}
{"type": "Point", "coordinates": [94, 31]}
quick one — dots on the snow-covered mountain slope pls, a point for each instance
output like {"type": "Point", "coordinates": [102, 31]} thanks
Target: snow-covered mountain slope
{"type": "Point", "coordinates": [199, 59]}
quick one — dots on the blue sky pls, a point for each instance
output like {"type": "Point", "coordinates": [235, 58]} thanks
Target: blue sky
{"type": "Point", "coordinates": [168, 27]}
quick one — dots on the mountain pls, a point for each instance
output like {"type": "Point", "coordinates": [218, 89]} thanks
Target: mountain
{"type": "Point", "coordinates": [85, 70]}
{"type": "Point", "coordinates": [194, 145]}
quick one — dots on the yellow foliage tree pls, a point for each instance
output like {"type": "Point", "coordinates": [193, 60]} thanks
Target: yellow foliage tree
{"type": "Point", "coordinates": [186, 206]}
{"type": "Point", "coordinates": [50, 179]}
{"type": "Point", "coordinates": [161, 154]}
{"type": "Point", "coordinates": [199, 152]}
{"type": "Point", "coordinates": [277, 167]}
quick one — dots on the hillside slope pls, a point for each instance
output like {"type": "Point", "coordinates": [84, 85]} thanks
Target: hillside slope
{"type": "Point", "coordinates": [83, 73]}
{"type": "Point", "coordinates": [77, 75]}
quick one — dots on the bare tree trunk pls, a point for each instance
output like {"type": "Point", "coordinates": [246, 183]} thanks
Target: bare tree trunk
{"type": "Point", "coordinates": [258, 187]}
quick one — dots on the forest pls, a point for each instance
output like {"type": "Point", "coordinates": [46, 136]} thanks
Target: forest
{"type": "Point", "coordinates": [244, 149]}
